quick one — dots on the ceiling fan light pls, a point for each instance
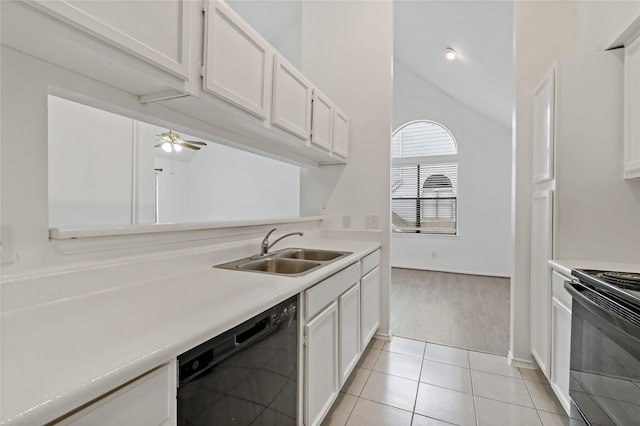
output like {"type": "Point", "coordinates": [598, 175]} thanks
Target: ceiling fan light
{"type": "Point", "coordinates": [166, 147]}
{"type": "Point", "coordinates": [450, 53]}
{"type": "Point", "coordinates": [177, 148]}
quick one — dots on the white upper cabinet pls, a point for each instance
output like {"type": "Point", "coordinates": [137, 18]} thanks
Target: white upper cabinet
{"type": "Point", "coordinates": [159, 50]}
{"type": "Point", "coordinates": [155, 31]}
{"type": "Point", "coordinates": [543, 128]}
{"type": "Point", "coordinates": [291, 99]}
{"type": "Point", "coordinates": [322, 121]}
{"type": "Point", "coordinates": [632, 110]}
{"type": "Point", "coordinates": [340, 134]}
{"type": "Point", "coordinates": [236, 60]}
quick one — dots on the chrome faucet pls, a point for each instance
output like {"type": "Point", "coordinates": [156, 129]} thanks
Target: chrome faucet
{"type": "Point", "coordinates": [265, 246]}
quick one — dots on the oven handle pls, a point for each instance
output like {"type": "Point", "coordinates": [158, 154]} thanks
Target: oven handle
{"type": "Point", "coordinates": [609, 310]}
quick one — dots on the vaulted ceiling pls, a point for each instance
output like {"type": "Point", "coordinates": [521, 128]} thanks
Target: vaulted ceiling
{"type": "Point", "coordinates": [480, 31]}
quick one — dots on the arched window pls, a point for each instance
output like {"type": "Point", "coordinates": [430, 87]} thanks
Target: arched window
{"type": "Point", "coordinates": [424, 179]}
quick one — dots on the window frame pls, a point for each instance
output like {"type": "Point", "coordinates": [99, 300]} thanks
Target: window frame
{"type": "Point", "coordinates": [434, 159]}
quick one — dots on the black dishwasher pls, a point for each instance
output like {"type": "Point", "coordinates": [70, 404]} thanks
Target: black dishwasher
{"type": "Point", "coordinates": [245, 376]}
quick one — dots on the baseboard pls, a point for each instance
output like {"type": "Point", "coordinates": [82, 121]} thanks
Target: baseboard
{"type": "Point", "coordinates": [519, 362]}
{"type": "Point", "coordinates": [452, 271]}
{"type": "Point", "coordinates": [383, 336]}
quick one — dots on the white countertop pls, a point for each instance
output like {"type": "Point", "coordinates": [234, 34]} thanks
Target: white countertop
{"type": "Point", "coordinates": [566, 265]}
{"type": "Point", "coordinates": [59, 355]}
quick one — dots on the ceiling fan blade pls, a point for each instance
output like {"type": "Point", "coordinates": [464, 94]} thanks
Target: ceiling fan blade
{"type": "Point", "coordinates": [187, 145]}
{"type": "Point", "coordinates": [159, 145]}
{"type": "Point", "coordinates": [195, 142]}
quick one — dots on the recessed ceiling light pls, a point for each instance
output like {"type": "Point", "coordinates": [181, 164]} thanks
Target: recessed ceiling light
{"type": "Point", "coordinates": [450, 53]}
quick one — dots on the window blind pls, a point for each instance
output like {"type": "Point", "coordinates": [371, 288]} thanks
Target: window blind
{"type": "Point", "coordinates": [424, 198]}
{"type": "Point", "coordinates": [422, 138]}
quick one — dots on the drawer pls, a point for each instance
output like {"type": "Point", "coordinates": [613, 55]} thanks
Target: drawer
{"type": "Point", "coordinates": [370, 261]}
{"type": "Point", "coordinates": [558, 290]}
{"type": "Point", "coordinates": [144, 401]}
{"type": "Point", "coordinates": [325, 292]}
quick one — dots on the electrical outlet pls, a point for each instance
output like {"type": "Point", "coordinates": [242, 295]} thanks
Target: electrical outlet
{"type": "Point", "coordinates": [7, 251]}
{"type": "Point", "coordinates": [371, 222]}
{"type": "Point", "coordinates": [346, 221]}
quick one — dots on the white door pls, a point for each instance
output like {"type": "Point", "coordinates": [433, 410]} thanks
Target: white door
{"type": "Point", "coordinates": [321, 121]}
{"type": "Point", "coordinates": [349, 309]}
{"type": "Point", "coordinates": [236, 60]}
{"type": "Point", "coordinates": [541, 244]}
{"type": "Point", "coordinates": [321, 364]}
{"type": "Point", "coordinates": [370, 305]}
{"type": "Point", "coordinates": [543, 128]}
{"type": "Point", "coordinates": [291, 99]}
{"type": "Point", "coordinates": [340, 134]}
{"type": "Point", "coordinates": [632, 109]}
{"type": "Point", "coordinates": [155, 31]}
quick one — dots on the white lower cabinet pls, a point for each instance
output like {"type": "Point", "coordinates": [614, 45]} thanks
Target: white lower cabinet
{"type": "Point", "coordinates": [344, 313]}
{"type": "Point", "coordinates": [349, 312]}
{"type": "Point", "coordinates": [370, 305]}
{"type": "Point", "coordinates": [148, 400]}
{"type": "Point", "coordinates": [321, 364]}
{"type": "Point", "coordinates": [541, 252]}
{"type": "Point", "coordinates": [560, 339]}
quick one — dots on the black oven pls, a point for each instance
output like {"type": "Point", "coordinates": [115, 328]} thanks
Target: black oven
{"type": "Point", "coordinates": [605, 351]}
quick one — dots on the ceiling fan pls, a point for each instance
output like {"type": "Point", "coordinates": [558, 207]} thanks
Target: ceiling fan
{"type": "Point", "coordinates": [171, 142]}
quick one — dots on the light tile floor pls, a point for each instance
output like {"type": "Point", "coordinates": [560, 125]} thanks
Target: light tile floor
{"type": "Point", "coordinates": [410, 382]}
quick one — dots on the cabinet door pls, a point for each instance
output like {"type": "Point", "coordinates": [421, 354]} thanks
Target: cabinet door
{"type": "Point", "coordinates": [349, 309]}
{"type": "Point", "coordinates": [149, 400]}
{"type": "Point", "coordinates": [321, 383]}
{"type": "Point", "coordinates": [155, 31]}
{"type": "Point", "coordinates": [291, 99]}
{"type": "Point", "coordinates": [321, 121]}
{"type": "Point", "coordinates": [560, 351]}
{"type": "Point", "coordinates": [632, 109]}
{"type": "Point", "coordinates": [235, 60]}
{"type": "Point", "coordinates": [370, 305]}
{"type": "Point", "coordinates": [340, 134]}
{"type": "Point", "coordinates": [543, 128]}
{"type": "Point", "coordinates": [540, 286]}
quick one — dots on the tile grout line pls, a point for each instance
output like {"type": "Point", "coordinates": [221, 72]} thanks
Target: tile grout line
{"type": "Point", "coordinates": [533, 402]}
{"type": "Point", "coordinates": [415, 399]}
{"type": "Point", "coordinates": [473, 394]}
{"type": "Point", "coordinates": [365, 383]}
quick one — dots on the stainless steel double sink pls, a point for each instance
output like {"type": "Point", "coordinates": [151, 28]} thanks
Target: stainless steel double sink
{"type": "Point", "coordinates": [289, 262]}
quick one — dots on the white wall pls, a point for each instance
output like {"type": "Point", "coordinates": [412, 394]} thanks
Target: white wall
{"type": "Point", "coordinates": [484, 184]}
{"type": "Point", "coordinates": [347, 50]}
{"type": "Point", "coordinates": [229, 184]}
{"type": "Point", "coordinates": [543, 32]}
{"type": "Point", "coordinates": [601, 22]}
{"type": "Point", "coordinates": [97, 190]}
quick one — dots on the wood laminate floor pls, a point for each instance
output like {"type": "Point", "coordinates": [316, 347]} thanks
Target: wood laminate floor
{"type": "Point", "coordinates": [465, 311]}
